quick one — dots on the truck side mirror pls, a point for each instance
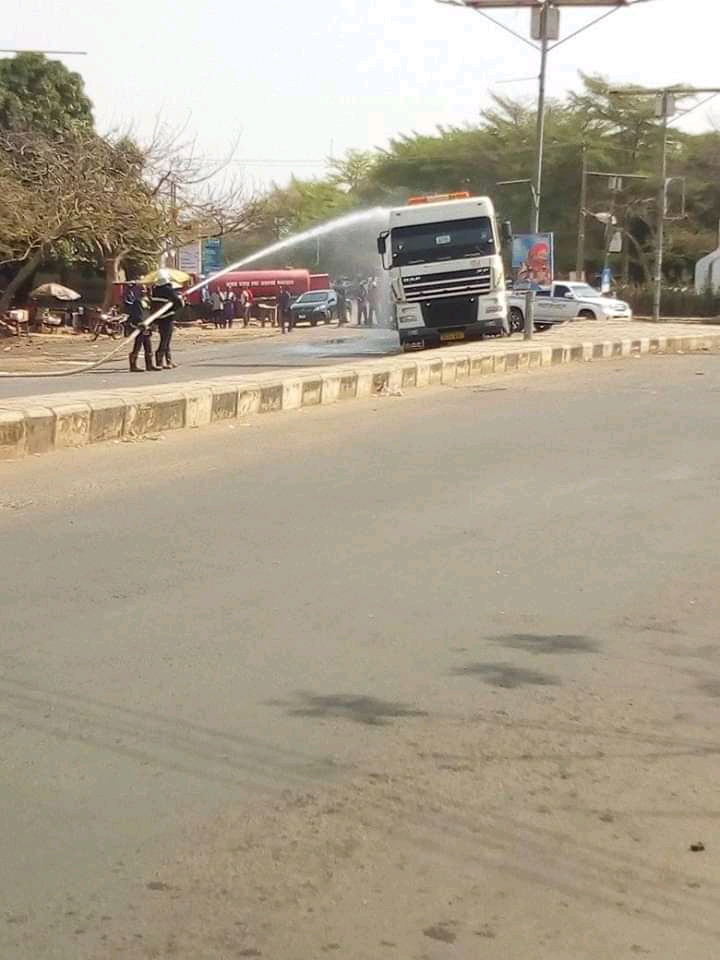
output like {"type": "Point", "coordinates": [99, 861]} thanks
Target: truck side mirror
{"type": "Point", "coordinates": [382, 247]}
{"type": "Point", "coordinates": [507, 231]}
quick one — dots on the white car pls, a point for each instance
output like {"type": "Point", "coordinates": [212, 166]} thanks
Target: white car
{"type": "Point", "coordinates": [567, 300]}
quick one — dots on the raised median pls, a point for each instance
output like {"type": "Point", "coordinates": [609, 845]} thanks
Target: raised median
{"type": "Point", "coordinates": [40, 424]}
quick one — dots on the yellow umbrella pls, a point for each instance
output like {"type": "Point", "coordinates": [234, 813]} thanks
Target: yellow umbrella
{"type": "Point", "coordinates": [178, 277]}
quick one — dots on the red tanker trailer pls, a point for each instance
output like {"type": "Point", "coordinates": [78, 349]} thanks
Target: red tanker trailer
{"type": "Point", "coordinates": [263, 284]}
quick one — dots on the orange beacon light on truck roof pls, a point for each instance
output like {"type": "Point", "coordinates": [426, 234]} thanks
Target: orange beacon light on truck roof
{"type": "Point", "coordinates": [438, 198]}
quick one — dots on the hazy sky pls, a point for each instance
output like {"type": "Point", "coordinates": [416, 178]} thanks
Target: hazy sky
{"type": "Point", "coordinates": [297, 80]}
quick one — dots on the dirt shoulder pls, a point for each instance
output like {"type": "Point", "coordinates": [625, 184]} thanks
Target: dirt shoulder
{"type": "Point", "coordinates": [43, 351]}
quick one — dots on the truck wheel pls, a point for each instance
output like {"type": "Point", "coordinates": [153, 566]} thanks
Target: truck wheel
{"type": "Point", "coordinates": [517, 320]}
{"type": "Point", "coordinates": [586, 315]}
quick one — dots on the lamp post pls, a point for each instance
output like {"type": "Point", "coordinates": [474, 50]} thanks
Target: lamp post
{"type": "Point", "coordinates": [531, 185]}
{"type": "Point", "coordinates": [545, 28]}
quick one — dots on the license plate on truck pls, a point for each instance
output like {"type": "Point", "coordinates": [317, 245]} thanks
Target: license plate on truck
{"type": "Point", "coordinates": [452, 335]}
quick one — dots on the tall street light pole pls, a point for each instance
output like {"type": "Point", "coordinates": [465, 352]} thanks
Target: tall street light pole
{"type": "Point", "coordinates": [661, 207]}
{"type": "Point", "coordinates": [580, 258]}
{"type": "Point", "coordinates": [545, 28]}
{"type": "Point", "coordinates": [540, 124]}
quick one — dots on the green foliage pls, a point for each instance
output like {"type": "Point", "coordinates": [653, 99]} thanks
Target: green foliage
{"type": "Point", "coordinates": [620, 134]}
{"type": "Point", "coordinates": [43, 96]}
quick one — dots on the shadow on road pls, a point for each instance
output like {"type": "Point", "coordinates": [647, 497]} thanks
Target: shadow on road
{"type": "Point", "coordinates": [347, 706]}
{"type": "Point", "coordinates": [506, 675]}
{"type": "Point", "coordinates": [547, 643]}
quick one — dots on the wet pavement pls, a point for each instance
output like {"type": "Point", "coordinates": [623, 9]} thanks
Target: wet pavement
{"type": "Point", "coordinates": [304, 347]}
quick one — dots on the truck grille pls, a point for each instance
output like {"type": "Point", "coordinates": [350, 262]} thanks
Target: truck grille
{"type": "Point", "coordinates": [458, 312]}
{"type": "Point", "coordinates": [456, 283]}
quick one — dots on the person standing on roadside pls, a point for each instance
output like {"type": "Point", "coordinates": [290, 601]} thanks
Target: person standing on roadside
{"type": "Point", "coordinates": [245, 306]}
{"type": "Point", "coordinates": [362, 304]}
{"type": "Point", "coordinates": [135, 305]}
{"type": "Point", "coordinates": [216, 305]}
{"type": "Point", "coordinates": [284, 303]}
{"type": "Point", "coordinates": [165, 295]}
{"type": "Point", "coordinates": [342, 305]}
{"type": "Point", "coordinates": [229, 309]}
{"type": "Point", "coordinates": [373, 302]}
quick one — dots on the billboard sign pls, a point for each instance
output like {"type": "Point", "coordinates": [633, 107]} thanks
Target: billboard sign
{"type": "Point", "coordinates": [483, 4]}
{"type": "Point", "coordinates": [533, 259]}
{"type": "Point", "coordinates": [190, 258]}
{"type": "Point", "coordinates": [212, 255]}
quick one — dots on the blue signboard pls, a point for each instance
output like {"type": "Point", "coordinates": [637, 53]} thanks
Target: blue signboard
{"type": "Point", "coordinates": [212, 255]}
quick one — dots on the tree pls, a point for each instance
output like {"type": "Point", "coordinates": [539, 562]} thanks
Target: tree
{"type": "Point", "coordinates": [619, 134]}
{"type": "Point", "coordinates": [151, 199]}
{"type": "Point", "coordinates": [49, 196]}
{"type": "Point", "coordinates": [43, 96]}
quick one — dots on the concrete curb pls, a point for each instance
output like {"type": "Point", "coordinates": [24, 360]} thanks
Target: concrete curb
{"type": "Point", "coordinates": [33, 425]}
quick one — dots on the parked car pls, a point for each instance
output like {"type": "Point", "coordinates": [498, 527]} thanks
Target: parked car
{"type": "Point", "coordinates": [317, 306]}
{"type": "Point", "coordinates": [566, 300]}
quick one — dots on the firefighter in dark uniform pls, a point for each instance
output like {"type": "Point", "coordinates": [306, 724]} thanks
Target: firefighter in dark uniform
{"type": "Point", "coordinates": [164, 293]}
{"type": "Point", "coordinates": [135, 306]}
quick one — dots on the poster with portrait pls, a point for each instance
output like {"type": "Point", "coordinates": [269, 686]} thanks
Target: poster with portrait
{"type": "Point", "coordinates": [533, 256]}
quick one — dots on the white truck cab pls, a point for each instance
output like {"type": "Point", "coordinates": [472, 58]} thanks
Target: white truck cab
{"type": "Point", "coordinates": [446, 272]}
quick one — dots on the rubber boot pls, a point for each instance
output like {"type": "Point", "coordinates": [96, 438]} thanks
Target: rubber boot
{"type": "Point", "coordinates": [158, 360]}
{"type": "Point", "coordinates": [133, 365]}
{"type": "Point", "coordinates": [149, 359]}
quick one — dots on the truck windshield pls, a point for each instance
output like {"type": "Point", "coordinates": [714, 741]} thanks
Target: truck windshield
{"type": "Point", "coordinates": [447, 240]}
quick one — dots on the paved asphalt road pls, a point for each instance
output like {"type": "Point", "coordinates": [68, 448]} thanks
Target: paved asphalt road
{"type": "Point", "coordinates": [186, 623]}
{"type": "Point", "coordinates": [302, 348]}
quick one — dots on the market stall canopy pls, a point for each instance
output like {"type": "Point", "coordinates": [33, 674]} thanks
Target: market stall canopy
{"type": "Point", "coordinates": [54, 291]}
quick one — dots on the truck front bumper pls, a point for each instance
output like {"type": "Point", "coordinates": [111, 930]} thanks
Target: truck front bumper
{"type": "Point", "coordinates": [433, 337]}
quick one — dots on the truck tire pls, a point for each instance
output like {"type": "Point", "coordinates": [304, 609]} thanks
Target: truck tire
{"type": "Point", "coordinates": [517, 320]}
{"type": "Point", "coordinates": [586, 315]}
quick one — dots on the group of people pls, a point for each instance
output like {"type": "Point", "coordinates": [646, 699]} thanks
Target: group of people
{"type": "Point", "coordinates": [366, 294]}
{"type": "Point", "coordinates": [141, 302]}
{"type": "Point", "coordinates": [226, 307]}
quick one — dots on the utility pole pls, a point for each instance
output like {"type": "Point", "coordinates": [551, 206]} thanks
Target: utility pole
{"type": "Point", "coordinates": [510, 183]}
{"type": "Point", "coordinates": [580, 259]}
{"type": "Point", "coordinates": [667, 106]}
{"type": "Point", "coordinates": [544, 14]}
{"type": "Point", "coordinates": [615, 184]}
{"type": "Point", "coordinates": [664, 111]}
{"type": "Point", "coordinates": [545, 27]}
{"type": "Point", "coordinates": [174, 216]}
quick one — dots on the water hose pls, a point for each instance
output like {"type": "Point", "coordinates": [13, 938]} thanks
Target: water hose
{"type": "Point", "coordinates": [346, 220]}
